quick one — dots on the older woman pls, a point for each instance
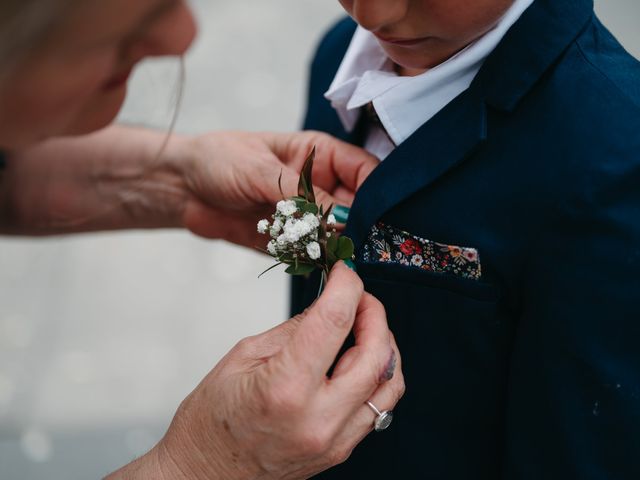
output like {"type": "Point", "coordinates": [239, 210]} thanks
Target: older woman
{"type": "Point", "coordinates": [268, 409]}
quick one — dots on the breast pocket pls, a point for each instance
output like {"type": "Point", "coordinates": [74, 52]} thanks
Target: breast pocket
{"type": "Point", "coordinates": [464, 320]}
{"type": "Point", "coordinates": [454, 339]}
{"type": "Point", "coordinates": [393, 273]}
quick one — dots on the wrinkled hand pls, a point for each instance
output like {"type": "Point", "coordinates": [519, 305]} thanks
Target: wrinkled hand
{"type": "Point", "coordinates": [232, 178]}
{"type": "Point", "coordinates": [268, 409]}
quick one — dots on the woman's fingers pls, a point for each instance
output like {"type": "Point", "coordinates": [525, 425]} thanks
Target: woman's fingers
{"type": "Point", "coordinates": [362, 420]}
{"type": "Point", "coordinates": [339, 167]}
{"type": "Point", "coordinates": [289, 182]}
{"type": "Point", "coordinates": [337, 161]}
{"type": "Point", "coordinates": [349, 164]}
{"type": "Point", "coordinates": [357, 422]}
{"type": "Point", "coordinates": [325, 326]}
{"type": "Point", "coordinates": [371, 361]}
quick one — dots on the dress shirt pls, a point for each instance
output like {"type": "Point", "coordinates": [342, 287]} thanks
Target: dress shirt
{"type": "Point", "coordinates": [404, 103]}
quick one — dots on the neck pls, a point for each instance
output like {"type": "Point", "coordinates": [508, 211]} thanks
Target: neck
{"type": "Point", "coordinates": [408, 72]}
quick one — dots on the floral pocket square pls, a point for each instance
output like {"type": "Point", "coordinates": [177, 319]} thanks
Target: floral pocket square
{"type": "Point", "coordinates": [387, 244]}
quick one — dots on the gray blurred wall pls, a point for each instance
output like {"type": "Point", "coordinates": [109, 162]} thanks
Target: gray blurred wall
{"type": "Point", "coordinates": [101, 336]}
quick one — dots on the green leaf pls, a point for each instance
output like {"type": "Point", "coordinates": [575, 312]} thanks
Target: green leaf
{"type": "Point", "coordinates": [270, 268]}
{"type": "Point", "coordinates": [309, 208]}
{"type": "Point", "coordinates": [305, 184]}
{"type": "Point", "coordinates": [280, 184]}
{"type": "Point", "coordinates": [332, 244]}
{"type": "Point", "coordinates": [331, 259]}
{"type": "Point", "coordinates": [345, 248]}
{"type": "Point", "coordinates": [300, 269]}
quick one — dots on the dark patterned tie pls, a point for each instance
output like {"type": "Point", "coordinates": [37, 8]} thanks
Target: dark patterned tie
{"type": "Point", "coordinates": [372, 117]}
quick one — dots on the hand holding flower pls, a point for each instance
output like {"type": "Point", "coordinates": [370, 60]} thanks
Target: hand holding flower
{"type": "Point", "coordinates": [232, 178]}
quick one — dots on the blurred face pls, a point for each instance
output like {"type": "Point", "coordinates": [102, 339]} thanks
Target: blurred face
{"type": "Point", "coordinates": [75, 80]}
{"type": "Point", "coordinates": [420, 34]}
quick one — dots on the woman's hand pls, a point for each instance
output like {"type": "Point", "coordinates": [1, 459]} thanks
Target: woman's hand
{"type": "Point", "coordinates": [233, 177]}
{"type": "Point", "coordinates": [268, 409]}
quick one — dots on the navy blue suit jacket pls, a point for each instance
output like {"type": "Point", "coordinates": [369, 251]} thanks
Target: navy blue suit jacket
{"type": "Point", "coordinates": [532, 372]}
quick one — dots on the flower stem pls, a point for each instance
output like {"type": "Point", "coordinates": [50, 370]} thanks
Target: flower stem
{"type": "Point", "coordinates": [323, 281]}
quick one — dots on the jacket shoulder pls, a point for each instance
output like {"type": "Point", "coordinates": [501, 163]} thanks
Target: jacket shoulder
{"type": "Point", "coordinates": [334, 43]}
{"type": "Point", "coordinates": [593, 94]}
{"type": "Point", "coordinates": [329, 55]}
{"type": "Point", "coordinates": [616, 68]}
{"type": "Point", "coordinates": [326, 61]}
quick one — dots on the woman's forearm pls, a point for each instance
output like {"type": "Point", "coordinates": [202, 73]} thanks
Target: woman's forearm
{"type": "Point", "coordinates": [218, 184]}
{"type": "Point", "coordinates": [113, 179]}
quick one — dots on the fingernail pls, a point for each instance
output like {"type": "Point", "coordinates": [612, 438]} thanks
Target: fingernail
{"type": "Point", "coordinates": [390, 368]}
{"type": "Point", "coordinates": [349, 263]}
{"type": "Point", "coordinates": [341, 213]}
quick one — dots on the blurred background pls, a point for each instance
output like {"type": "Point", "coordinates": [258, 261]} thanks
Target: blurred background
{"type": "Point", "coordinates": [102, 335]}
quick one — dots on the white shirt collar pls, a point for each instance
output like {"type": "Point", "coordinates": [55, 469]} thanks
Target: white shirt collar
{"type": "Point", "coordinates": [405, 103]}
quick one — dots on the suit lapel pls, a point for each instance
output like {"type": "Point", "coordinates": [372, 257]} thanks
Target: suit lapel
{"type": "Point", "coordinates": [528, 50]}
{"type": "Point", "coordinates": [435, 148]}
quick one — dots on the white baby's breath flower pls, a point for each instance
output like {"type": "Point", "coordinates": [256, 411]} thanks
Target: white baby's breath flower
{"type": "Point", "coordinates": [311, 220]}
{"type": "Point", "coordinates": [295, 229]}
{"type": "Point", "coordinates": [290, 231]}
{"type": "Point", "coordinates": [331, 219]}
{"type": "Point", "coordinates": [271, 248]}
{"type": "Point", "coordinates": [263, 226]}
{"type": "Point", "coordinates": [276, 227]}
{"type": "Point", "coordinates": [313, 250]}
{"type": "Point", "coordinates": [286, 207]}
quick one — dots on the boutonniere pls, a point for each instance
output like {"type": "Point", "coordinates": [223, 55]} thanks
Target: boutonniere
{"type": "Point", "coordinates": [303, 234]}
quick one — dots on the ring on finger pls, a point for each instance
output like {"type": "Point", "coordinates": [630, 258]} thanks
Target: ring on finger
{"type": "Point", "coordinates": [383, 419]}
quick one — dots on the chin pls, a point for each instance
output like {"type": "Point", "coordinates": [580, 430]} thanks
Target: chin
{"type": "Point", "coordinates": [100, 114]}
{"type": "Point", "coordinates": [411, 64]}
{"type": "Point", "coordinates": [411, 68]}
{"type": "Point", "coordinates": [92, 126]}
{"type": "Point", "coordinates": [417, 60]}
